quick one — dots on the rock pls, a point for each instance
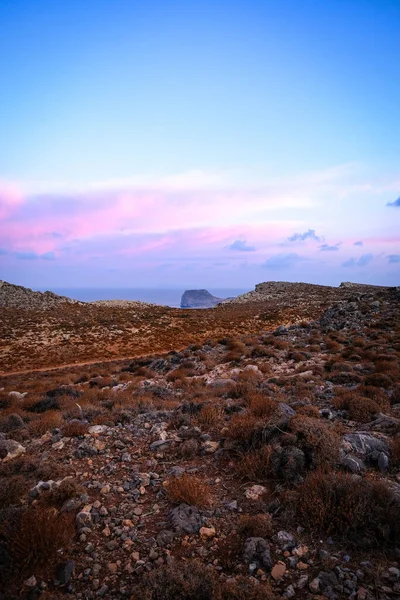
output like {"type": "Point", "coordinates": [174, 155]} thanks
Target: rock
{"type": "Point", "coordinates": [160, 445]}
{"type": "Point", "coordinates": [31, 582]}
{"type": "Point", "coordinates": [10, 449]}
{"type": "Point", "coordinates": [97, 429]}
{"type": "Point", "coordinates": [207, 532]}
{"type": "Point", "coordinates": [84, 519]}
{"type": "Point", "coordinates": [210, 447]}
{"type": "Point", "coordinates": [314, 585]}
{"type": "Point", "coordinates": [222, 383]}
{"type": "Point", "coordinates": [165, 538]}
{"type": "Point", "coordinates": [255, 491]}
{"type": "Point", "coordinates": [278, 570]}
{"type": "Point", "coordinates": [257, 551]}
{"type": "Point", "coordinates": [365, 443]}
{"type": "Point", "coordinates": [185, 519]}
{"type": "Point", "coordinates": [285, 540]}
{"type": "Point", "coordinates": [199, 299]}
{"type": "Point", "coordinates": [289, 592]}
{"type": "Point", "coordinates": [353, 464]}
{"type": "Point", "coordinates": [64, 572]}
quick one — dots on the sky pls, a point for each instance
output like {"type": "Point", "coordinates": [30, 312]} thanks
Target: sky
{"type": "Point", "coordinates": [218, 143]}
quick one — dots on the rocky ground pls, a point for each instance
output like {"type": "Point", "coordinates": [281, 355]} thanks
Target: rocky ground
{"type": "Point", "coordinates": [257, 465]}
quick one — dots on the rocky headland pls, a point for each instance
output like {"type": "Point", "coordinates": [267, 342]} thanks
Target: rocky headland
{"type": "Point", "coordinates": [199, 299]}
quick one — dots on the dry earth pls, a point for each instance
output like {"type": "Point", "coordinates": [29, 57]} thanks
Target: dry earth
{"type": "Point", "coordinates": [262, 460]}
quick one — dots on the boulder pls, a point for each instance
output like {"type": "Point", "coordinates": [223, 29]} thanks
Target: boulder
{"type": "Point", "coordinates": [256, 551]}
{"type": "Point", "coordinates": [199, 299]}
{"type": "Point", "coordinates": [185, 519]}
{"type": "Point", "coordinates": [10, 449]}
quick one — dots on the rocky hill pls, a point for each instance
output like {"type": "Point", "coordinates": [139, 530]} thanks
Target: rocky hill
{"type": "Point", "coordinates": [17, 296]}
{"type": "Point", "coordinates": [199, 299]}
{"type": "Point", "coordinates": [261, 465]}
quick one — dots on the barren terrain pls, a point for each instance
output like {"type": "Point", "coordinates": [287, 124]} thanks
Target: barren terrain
{"type": "Point", "coordinates": [248, 451]}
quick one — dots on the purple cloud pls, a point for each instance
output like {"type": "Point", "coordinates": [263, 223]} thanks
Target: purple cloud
{"type": "Point", "coordinates": [359, 243]}
{"type": "Point", "coordinates": [396, 203]}
{"type": "Point", "coordinates": [394, 258]}
{"type": "Point", "coordinates": [327, 248]}
{"type": "Point", "coordinates": [301, 237]}
{"type": "Point", "coordinates": [364, 260]}
{"type": "Point", "coordinates": [241, 246]}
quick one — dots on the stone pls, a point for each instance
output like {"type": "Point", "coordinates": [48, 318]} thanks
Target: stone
{"type": "Point", "coordinates": [353, 463]}
{"type": "Point", "coordinates": [257, 551]}
{"type": "Point", "coordinates": [84, 519]}
{"type": "Point", "coordinates": [278, 570]}
{"type": "Point", "coordinates": [64, 572]}
{"type": "Point", "coordinates": [210, 447]}
{"type": "Point", "coordinates": [285, 540]}
{"type": "Point", "coordinates": [207, 532]}
{"type": "Point", "coordinates": [314, 585]}
{"type": "Point", "coordinates": [31, 582]}
{"type": "Point", "coordinates": [365, 443]}
{"type": "Point", "coordinates": [199, 299]}
{"type": "Point", "coordinates": [165, 538]}
{"type": "Point", "coordinates": [185, 519]}
{"type": "Point", "coordinates": [255, 491]}
{"type": "Point", "coordinates": [97, 429]}
{"type": "Point", "coordinates": [10, 449]}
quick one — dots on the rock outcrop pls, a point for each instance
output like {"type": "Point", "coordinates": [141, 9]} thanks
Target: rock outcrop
{"type": "Point", "coordinates": [17, 296]}
{"type": "Point", "coordinates": [199, 299]}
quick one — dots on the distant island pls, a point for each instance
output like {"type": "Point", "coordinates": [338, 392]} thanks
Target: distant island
{"type": "Point", "coordinates": [199, 299]}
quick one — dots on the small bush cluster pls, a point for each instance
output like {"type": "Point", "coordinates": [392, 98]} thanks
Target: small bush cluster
{"type": "Point", "coordinates": [188, 489]}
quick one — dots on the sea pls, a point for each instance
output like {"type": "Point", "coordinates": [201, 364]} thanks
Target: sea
{"type": "Point", "coordinates": [164, 297]}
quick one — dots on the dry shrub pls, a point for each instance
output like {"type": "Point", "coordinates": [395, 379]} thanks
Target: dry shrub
{"type": "Point", "coordinates": [332, 346]}
{"type": "Point", "coordinates": [309, 411]}
{"type": "Point", "coordinates": [12, 489]}
{"type": "Point", "coordinates": [75, 429]}
{"type": "Point", "coordinates": [254, 465]}
{"type": "Point", "coordinates": [255, 525]}
{"type": "Point", "coordinates": [209, 415]}
{"type": "Point", "coordinates": [344, 505]}
{"type": "Point", "coordinates": [395, 452]}
{"type": "Point", "coordinates": [246, 430]}
{"type": "Point", "coordinates": [261, 406]}
{"type": "Point", "coordinates": [46, 422]}
{"type": "Point", "coordinates": [192, 580]}
{"type": "Point", "coordinates": [67, 489]}
{"type": "Point", "coordinates": [244, 588]}
{"type": "Point", "coordinates": [188, 489]}
{"type": "Point", "coordinates": [178, 581]}
{"type": "Point", "coordinates": [38, 535]}
{"type": "Point", "coordinates": [376, 394]}
{"type": "Point", "coordinates": [359, 408]}
{"type": "Point", "coordinates": [319, 443]}
{"type": "Point", "coordinates": [189, 448]}
{"type": "Point", "coordinates": [379, 380]}
{"type": "Point", "coordinates": [179, 374]}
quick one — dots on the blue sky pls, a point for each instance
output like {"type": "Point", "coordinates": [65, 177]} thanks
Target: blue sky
{"type": "Point", "coordinates": [163, 143]}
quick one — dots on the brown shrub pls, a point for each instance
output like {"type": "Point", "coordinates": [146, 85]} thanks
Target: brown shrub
{"type": "Point", "coordinates": [260, 405]}
{"type": "Point", "coordinates": [244, 589]}
{"type": "Point", "coordinates": [255, 525]}
{"type": "Point", "coordinates": [178, 581]}
{"type": "Point", "coordinates": [319, 443]}
{"type": "Point", "coordinates": [254, 465]}
{"type": "Point", "coordinates": [341, 504]}
{"type": "Point", "coordinates": [38, 535]}
{"type": "Point", "coordinates": [210, 415]}
{"type": "Point", "coordinates": [46, 422]}
{"type": "Point", "coordinates": [75, 429]}
{"type": "Point", "coordinates": [188, 489]}
{"type": "Point", "coordinates": [189, 448]}
{"type": "Point", "coordinates": [247, 431]}
{"type": "Point", "coordinates": [379, 380]}
{"type": "Point", "coordinates": [395, 452]}
{"type": "Point", "coordinates": [12, 489]}
{"type": "Point", "coordinates": [308, 410]}
{"type": "Point", "coordinates": [67, 489]}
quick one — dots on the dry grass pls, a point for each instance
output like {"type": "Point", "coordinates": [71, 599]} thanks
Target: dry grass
{"type": "Point", "coordinates": [340, 504]}
{"type": "Point", "coordinates": [210, 415]}
{"type": "Point", "coordinates": [75, 429]}
{"type": "Point", "coordinates": [319, 443]}
{"type": "Point", "coordinates": [255, 525]}
{"type": "Point", "coordinates": [188, 489]}
{"type": "Point", "coordinates": [37, 536]}
{"type": "Point", "coordinates": [46, 422]}
{"type": "Point", "coordinates": [255, 465]}
{"type": "Point", "coordinates": [261, 406]}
